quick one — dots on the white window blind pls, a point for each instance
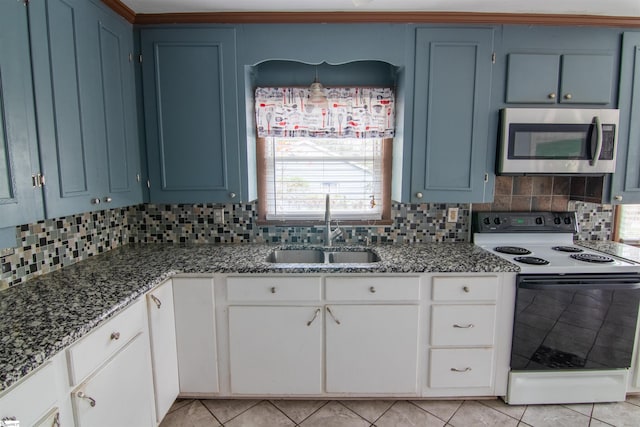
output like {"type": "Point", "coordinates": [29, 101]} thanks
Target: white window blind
{"type": "Point", "coordinates": [629, 226]}
{"type": "Point", "coordinates": [301, 171]}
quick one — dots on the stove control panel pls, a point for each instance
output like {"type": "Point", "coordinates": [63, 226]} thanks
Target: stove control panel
{"type": "Point", "coordinates": [524, 222]}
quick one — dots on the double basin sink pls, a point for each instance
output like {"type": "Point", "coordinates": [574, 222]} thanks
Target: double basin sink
{"type": "Point", "coordinates": [323, 256]}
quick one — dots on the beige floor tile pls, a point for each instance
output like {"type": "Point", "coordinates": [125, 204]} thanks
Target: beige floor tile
{"type": "Point", "coordinates": [583, 408]}
{"type": "Point", "coordinates": [264, 414]}
{"type": "Point", "coordinates": [620, 414]}
{"type": "Point", "coordinates": [335, 415]}
{"type": "Point", "coordinates": [597, 423]}
{"type": "Point", "coordinates": [405, 414]}
{"type": "Point", "coordinates": [443, 409]}
{"type": "Point", "coordinates": [368, 409]}
{"type": "Point", "coordinates": [634, 399]}
{"type": "Point", "coordinates": [225, 409]}
{"type": "Point", "coordinates": [514, 411]}
{"type": "Point", "coordinates": [299, 410]}
{"type": "Point", "coordinates": [179, 403]}
{"type": "Point", "coordinates": [194, 414]}
{"type": "Point", "coordinates": [554, 416]}
{"type": "Point", "coordinates": [472, 413]}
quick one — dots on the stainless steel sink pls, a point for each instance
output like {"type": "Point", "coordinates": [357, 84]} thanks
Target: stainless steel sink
{"type": "Point", "coordinates": [353, 257]}
{"type": "Point", "coordinates": [320, 256]}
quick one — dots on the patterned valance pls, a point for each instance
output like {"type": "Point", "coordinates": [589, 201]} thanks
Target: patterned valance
{"type": "Point", "coordinates": [351, 113]}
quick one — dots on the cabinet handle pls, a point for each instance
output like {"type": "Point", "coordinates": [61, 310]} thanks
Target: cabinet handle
{"type": "Point", "coordinates": [419, 195]}
{"type": "Point", "coordinates": [466, 289]}
{"type": "Point", "coordinates": [115, 336]}
{"type": "Point", "coordinates": [552, 95]}
{"type": "Point", "coordinates": [315, 314]}
{"type": "Point", "coordinates": [95, 201]}
{"type": "Point", "coordinates": [467, 326]}
{"type": "Point", "coordinates": [81, 395]}
{"type": "Point", "coordinates": [56, 420]}
{"type": "Point", "coordinates": [467, 369]}
{"type": "Point", "coordinates": [332, 316]}
{"type": "Point", "coordinates": [617, 198]}
{"type": "Point", "coordinates": [372, 290]}
{"type": "Point", "coordinates": [233, 195]}
{"type": "Point", "coordinates": [273, 289]}
{"type": "Point", "coordinates": [156, 300]}
{"type": "Point", "coordinates": [9, 422]}
{"type": "Point", "coordinates": [568, 96]}
{"type": "Point", "coordinates": [108, 199]}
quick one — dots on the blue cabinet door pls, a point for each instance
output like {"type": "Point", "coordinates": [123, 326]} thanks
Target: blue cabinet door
{"type": "Point", "coordinates": [451, 114]}
{"type": "Point", "coordinates": [625, 187]}
{"type": "Point", "coordinates": [586, 78]}
{"type": "Point", "coordinates": [85, 106]}
{"type": "Point", "coordinates": [20, 200]}
{"type": "Point", "coordinates": [191, 114]}
{"type": "Point", "coordinates": [533, 78]}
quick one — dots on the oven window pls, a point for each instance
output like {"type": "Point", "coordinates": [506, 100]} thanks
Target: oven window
{"type": "Point", "coordinates": [548, 141]}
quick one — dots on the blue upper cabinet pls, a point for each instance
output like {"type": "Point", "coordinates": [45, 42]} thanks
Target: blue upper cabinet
{"type": "Point", "coordinates": [86, 106]}
{"type": "Point", "coordinates": [626, 181]}
{"type": "Point", "coordinates": [20, 199]}
{"type": "Point", "coordinates": [191, 114]}
{"type": "Point", "coordinates": [451, 114]}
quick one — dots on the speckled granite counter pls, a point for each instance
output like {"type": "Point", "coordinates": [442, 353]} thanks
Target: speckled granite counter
{"type": "Point", "coordinates": [42, 317]}
{"type": "Point", "coordinates": [620, 250]}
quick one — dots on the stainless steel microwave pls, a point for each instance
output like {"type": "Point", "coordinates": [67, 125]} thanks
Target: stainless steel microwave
{"type": "Point", "coordinates": [556, 141]}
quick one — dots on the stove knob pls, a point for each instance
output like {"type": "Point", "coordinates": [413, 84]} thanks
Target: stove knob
{"type": "Point", "coordinates": [539, 220]}
{"type": "Point", "coordinates": [567, 220]}
{"type": "Point", "coordinates": [486, 220]}
{"type": "Point", "coordinates": [496, 221]}
{"type": "Point", "coordinates": [557, 220]}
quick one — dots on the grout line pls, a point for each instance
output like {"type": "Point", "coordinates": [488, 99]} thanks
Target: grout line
{"type": "Point", "coordinates": [351, 410]}
{"type": "Point", "coordinates": [503, 413]}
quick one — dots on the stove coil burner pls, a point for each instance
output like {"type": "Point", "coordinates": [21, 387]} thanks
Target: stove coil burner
{"type": "Point", "coordinates": [592, 258]}
{"type": "Point", "coordinates": [512, 250]}
{"type": "Point", "coordinates": [531, 260]}
{"type": "Point", "coordinates": [567, 249]}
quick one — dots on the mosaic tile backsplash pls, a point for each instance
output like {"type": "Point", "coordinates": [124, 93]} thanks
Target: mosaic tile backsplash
{"type": "Point", "coordinates": [49, 245]}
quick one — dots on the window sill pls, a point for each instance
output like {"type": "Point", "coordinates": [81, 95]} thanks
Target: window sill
{"type": "Point", "coordinates": [314, 223]}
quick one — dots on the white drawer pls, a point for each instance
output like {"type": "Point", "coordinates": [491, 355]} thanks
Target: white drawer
{"type": "Point", "coordinates": [95, 348]}
{"type": "Point", "coordinates": [32, 397]}
{"type": "Point", "coordinates": [466, 367]}
{"type": "Point", "coordinates": [462, 325]}
{"type": "Point", "coordinates": [382, 288]}
{"type": "Point", "coordinates": [462, 288]}
{"type": "Point", "coordinates": [275, 288]}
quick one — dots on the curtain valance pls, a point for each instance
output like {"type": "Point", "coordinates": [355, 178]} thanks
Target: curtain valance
{"type": "Point", "coordinates": [357, 112]}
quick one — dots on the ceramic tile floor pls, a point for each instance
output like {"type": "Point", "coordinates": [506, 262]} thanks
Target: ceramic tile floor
{"type": "Point", "coordinates": [387, 413]}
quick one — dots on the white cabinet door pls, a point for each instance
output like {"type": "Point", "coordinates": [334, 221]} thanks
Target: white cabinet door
{"type": "Point", "coordinates": [275, 350]}
{"type": "Point", "coordinates": [119, 393]}
{"type": "Point", "coordinates": [164, 357]}
{"type": "Point", "coordinates": [196, 335]}
{"type": "Point", "coordinates": [373, 348]}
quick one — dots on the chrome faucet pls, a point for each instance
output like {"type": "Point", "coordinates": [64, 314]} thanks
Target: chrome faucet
{"type": "Point", "coordinates": [329, 235]}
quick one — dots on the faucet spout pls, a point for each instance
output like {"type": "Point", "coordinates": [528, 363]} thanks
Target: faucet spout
{"type": "Point", "coordinates": [329, 234]}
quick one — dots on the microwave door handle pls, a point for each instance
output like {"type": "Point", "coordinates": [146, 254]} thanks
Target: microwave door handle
{"type": "Point", "coordinates": [596, 155]}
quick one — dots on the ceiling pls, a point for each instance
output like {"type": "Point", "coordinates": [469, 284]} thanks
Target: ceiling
{"type": "Point", "coordinates": [630, 8]}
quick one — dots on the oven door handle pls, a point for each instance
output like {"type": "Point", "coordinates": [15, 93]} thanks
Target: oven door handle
{"type": "Point", "coordinates": [577, 283]}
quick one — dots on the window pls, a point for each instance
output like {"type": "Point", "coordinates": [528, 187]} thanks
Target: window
{"type": "Point", "coordinates": [342, 148]}
{"type": "Point", "coordinates": [627, 228]}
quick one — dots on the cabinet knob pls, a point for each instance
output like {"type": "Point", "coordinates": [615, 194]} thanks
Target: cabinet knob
{"type": "Point", "coordinates": [273, 289]}
{"type": "Point", "coordinates": [233, 195]}
{"type": "Point", "coordinates": [617, 198]}
{"type": "Point", "coordinates": [466, 289]}
{"type": "Point", "coordinates": [107, 199]}
{"type": "Point", "coordinates": [95, 201]}
{"type": "Point", "coordinates": [372, 290]}
{"type": "Point", "coordinates": [419, 195]}
{"type": "Point", "coordinates": [81, 395]}
{"type": "Point", "coordinates": [552, 95]}
{"type": "Point", "coordinates": [568, 96]}
{"type": "Point", "coordinates": [115, 336]}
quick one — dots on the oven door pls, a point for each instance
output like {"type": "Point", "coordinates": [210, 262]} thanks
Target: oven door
{"type": "Point", "coordinates": [575, 322]}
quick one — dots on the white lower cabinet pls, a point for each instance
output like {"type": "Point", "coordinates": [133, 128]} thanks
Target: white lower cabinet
{"type": "Point", "coordinates": [164, 356]}
{"type": "Point", "coordinates": [465, 367]}
{"type": "Point", "coordinates": [118, 394]}
{"type": "Point", "coordinates": [372, 349]}
{"type": "Point", "coordinates": [196, 335]}
{"type": "Point", "coordinates": [275, 350]}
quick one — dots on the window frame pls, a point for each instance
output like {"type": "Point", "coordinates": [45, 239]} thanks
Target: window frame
{"type": "Point", "coordinates": [616, 227]}
{"type": "Point", "coordinates": [261, 168]}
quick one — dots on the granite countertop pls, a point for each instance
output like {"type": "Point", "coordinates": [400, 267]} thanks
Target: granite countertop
{"type": "Point", "coordinates": [619, 250]}
{"type": "Point", "coordinates": [43, 316]}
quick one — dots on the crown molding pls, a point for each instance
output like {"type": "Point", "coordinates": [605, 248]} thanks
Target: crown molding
{"type": "Point", "coordinates": [369, 17]}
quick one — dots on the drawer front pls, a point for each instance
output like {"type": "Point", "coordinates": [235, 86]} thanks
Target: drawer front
{"type": "Point", "coordinates": [94, 349]}
{"type": "Point", "coordinates": [452, 368]}
{"type": "Point", "coordinates": [461, 288]}
{"type": "Point", "coordinates": [31, 398]}
{"type": "Point", "coordinates": [274, 289]}
{"type": "Point", "coordinates": [373, 288]}
{"type": "Point", "coordinates": [462, 325]}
